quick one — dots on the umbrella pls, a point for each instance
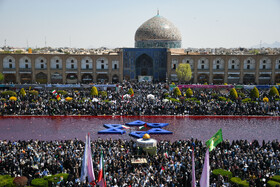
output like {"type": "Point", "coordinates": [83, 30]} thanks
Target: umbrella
{"type": "Point", "coordinates": [95, 100]}
{"type": "Point", "coordinates": [68, 98]}
{"type": "Point", "coordinates": [150, 96]}
{"type": "Point", "coordinates": [13, 98]}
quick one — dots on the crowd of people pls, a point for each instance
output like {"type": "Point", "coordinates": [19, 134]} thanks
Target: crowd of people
{"type": "Point", "coordinates": [204, 102]}
{"type": "Point", "coordinates": [251, 161]}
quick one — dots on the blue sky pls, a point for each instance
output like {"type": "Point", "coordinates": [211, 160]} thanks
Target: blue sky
{"type": "Point", "coordinates": [111, 23]}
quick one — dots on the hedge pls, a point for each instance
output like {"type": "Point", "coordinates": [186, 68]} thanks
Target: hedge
{"type": "Point", "coordinates": [222, 172]}
{"type": "Point", "coordinates": [41, 182]}
{"type": "Point", "coordinates": [239, 182]}
{"type": "Point", "coordinates": [56, 178]}
{"type": "Point", "coordinates": [6, 180]}
{"type": "Point", "coordinates": [9, 92]}
{"type": "Point", "coordinates": [103, 93]}
{"type": "Point", "coordinates": [62, 92]}
{"type": "Point", "coordinates": [272, 183]}
{"type": "Point", "coordinates": [33, 92]}
{"type": "Point", "coordinates": [246, 100]}
{"type": "Point", "coordinates": [276, 178]}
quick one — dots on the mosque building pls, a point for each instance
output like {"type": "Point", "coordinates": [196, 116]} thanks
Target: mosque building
{"type": "Point", "coordinates": [155, 57]}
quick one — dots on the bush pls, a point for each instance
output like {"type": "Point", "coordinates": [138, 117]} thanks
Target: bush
{"type": "Point", "coordinates": [177, 92]}
{"type": "Point", "coordinates": [130, 91]}
{"type": "Point", "coordinates": [62, 92]}
{"type": "Point", "coordinates": [189, 92]}
{"type": "Point", "coordinates": [6, 180]}
{"type": "Point", "coordinates": [56, 178]}
{"type": "Point", "coordinates": [22, 92]}
{"type": "Point", "coordinates": [3, 99]}
{"type": "Point", "coordinates": [166, 94]}
{"type": "Point", "coordinates": [33, 92]}
{"type": "Point", "coordinates": [222, 172]}
{"type": "Point", "coordinates": [103, 93]}
{"type": "Point", "coordinates": [255, 93]}
{"type": "Point", "coordinates": [233, 93]}
{"type": "Point", "coordinates": [276, 178]}
{"type": "Point", "coordinates": [94, 91]}
{"type": "Point", "coordinates": [246, 100]}
{"type": "Point", "coordinates": [191, 99]}
{"type": "Point", "coordinates": [273, 92]}
{"type": "Point", "coordinates": [222, 99]}
{"type": "Point", "coordinates": [240, 94]}
{"type": "Point", "coordinates": [272, 183]}
{"type": "Point", "coordinates": [172, 99]}
{"type": "Point", "coordinates": [239, 182]}
{"type": "Point", "coordinates": [9, 92]}
{"type": "Point", "coordinates": [41, 182]}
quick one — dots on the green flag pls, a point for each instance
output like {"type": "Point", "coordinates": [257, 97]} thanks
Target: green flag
{"type": "Point", "coordinates": [215, 140]}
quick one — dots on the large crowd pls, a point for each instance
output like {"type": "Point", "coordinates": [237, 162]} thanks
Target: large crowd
{"type": "Point", "coordinates": [252, 161]}
{"type": "Point", "coordinates": [207, 102]}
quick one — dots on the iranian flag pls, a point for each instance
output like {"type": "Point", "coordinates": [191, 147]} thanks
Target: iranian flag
{"type": "Point", "coordinates": [125, 127]}
{"type": "Point", "coordinates": [56, 95]}
{"type": "Point", "coordinates": [101, 175]}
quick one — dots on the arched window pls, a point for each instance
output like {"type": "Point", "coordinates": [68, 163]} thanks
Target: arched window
{"type": "Point", "coordinates": [115, 64]}
{"type": "Point", "coordinates": [71, 63]}
{"type": "Point", "coordinates": [203, 63]}
{"type": "Point", "coordinates": [189, 61]}
{"type": "Point", "coordinates": [249, 63]}
{"type": "Point", "coordinates": [174, 64]}
{"type": "Point", "coordinates": [233, 63]}
{"type": "Point", "coordinates": [9, 62]}
{"type": "Point", "coordinates": [41, 63]}
{"type": "Point", "coordinates": [56, 63]}
{"type": "Point", "coordinates": [218, 63]}
{"type": "Point", "coordinates": [86, 63]}
{"type": "Point", "coordinates": [265, 63]}
{"type": "Point", "coordinates": [25, 63]}
{"type": "Point", "coordinates": [102, 63]}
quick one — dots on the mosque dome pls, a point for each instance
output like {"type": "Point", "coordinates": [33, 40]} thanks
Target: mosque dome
{"type": "Point", "coordinates": [146, 136]}
{"type": "Point", "coordinates": [158, 32]}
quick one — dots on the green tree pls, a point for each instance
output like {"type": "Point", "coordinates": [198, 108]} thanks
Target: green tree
{"type": "Point", "coordinates": [103, 94]}
{"type": "Point", "coordinates": [94, 91]}
{"type": "Point", "coordinates": [130, 91]}
{"type": "Point", "coordinates": [189, 92]}
{"type": "Point", "coordinates": [255, 93]}
{"type": "Point", "coordinates": [22, 92]}
{"type": "Point", "coordinates": [1, 77]}
{"type": "Point", "coordinates": [177, 91]}
{"type": "Point", "coordinates": [233, 93]}
{"type": "Point", "coordinates": [273, 92]}
{"type": "Point", "coordinates": [184, 72]}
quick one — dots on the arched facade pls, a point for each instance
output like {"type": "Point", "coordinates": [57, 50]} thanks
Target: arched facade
{"type": "Point", "coordinates": [102, 63]}
{"type": "Point", "coordinates": [218, 63]}
{"type": "Point", "coordinates": [190, 61]}
{"type": "Point", "coordinates": [71, 78]}
{"type": "Point", "coordinates": [144, 66]}
{"type": "Point", "coordinates": [249, 64]}
{"type": "Point", "coordinates": [203, 63]}
{"type": "Point", "coordinates": [87, 78]}
{"type": "Point", "coordinates": [174, 64]}
{"type": "Point", "coordinates": [115, 64]}
{"type": "Point", "coordinates": [56, 63]}
{"type": "Point", "coordinates": [249, 78]}
{"type": "Point", "coordinates": [203, 78]}
{"type": "Point", "coordinates": [115, 79]}
{"type": "Point", "coordinates": [9, 62]}
{"type": "Point", "coordinates": [86, 63]}
{"type": "Point", "coordinates": [41, 78]}
{"type": "Point", "coordinates": [25, 63]}
{"type": "Point", "coordinates": [56, 78]}
{"type": "Point", "coordinates": [71, 63]}
{"type": "Point", "coordinates": [10, 78]}
{"type": "Point", "coordinates": [102, 78]}
{"type": "Point", "coordinates": [265, 63]}
{"type": "Point", "coordinates": [41, 63]}
{"type": "Point", "coordinates": [233, 63]}
{"type": "Point", "coordinates": [218, 78]}
{"type": "Point", "coordinates": [25, 78]}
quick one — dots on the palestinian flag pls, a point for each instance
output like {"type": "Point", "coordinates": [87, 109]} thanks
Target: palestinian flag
{"type": "Point", "coordinates": [101, 175]}
{"type": "Point", "coordinates": [144, 126]}
{"type": "Point", "coordinates": [56, 95]}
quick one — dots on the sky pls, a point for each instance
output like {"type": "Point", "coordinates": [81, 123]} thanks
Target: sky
{"type": "Point", "coordinates": [111, 23]}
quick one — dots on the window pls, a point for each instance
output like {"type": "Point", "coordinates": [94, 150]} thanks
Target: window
{"type": "Point", "coordinates": [218, 61]}
{"type": "Point", "coordinates": [102, 61]}
{"type": "Point", "coordinates": [218, 67]}
{"type": "Point", "coordinates": [174, 66]}
{"type": "Point", "coordinates": [248, 66]}
{"type": "Point", "coordinates": [26, 60]}
{"type": "Point", "coordinates": [57, 61]}
{"type": "Point", "coordinates": [248, 61]}
{"type": "Point", "coordinates": [57, 66]}
{"type": "Point", "coordinates": [86, 61]}
{"type": "Point", "coordinates": [72, 60]}
{"type": "Point", "coordinates": [188, 61]}
{"type": "Point", "coordinates": [72, 66]}
{"type": "Point", "coordinates": [10, 65]}
{"type": "Point", "coordinates": [202, 66]}
{"type": "Point", "coordinates": [263, 66]}
{"type": "Point", "coordinates": [26, 66]}
{"type": "Point", "coordinates": [202, 62]}
{"type": "Point", "coordinates": [10, 60]}
{"type": "Point", "coordinates": [264, 61]}
{"type": "Point", "coordinates": [232, 66]}
{"type": "Point", "coordinates": [115, 66]}
{"type": "Point", "coordinates": [232, 61]}
{"type": "Point", "coordinates": [87, 66]}
{"type": "Point", "coordinates": [42, 66]}
{"type": "Point", "coordinates": [102, 66]}
{"type": "Point", "coordinates": [42, 60]}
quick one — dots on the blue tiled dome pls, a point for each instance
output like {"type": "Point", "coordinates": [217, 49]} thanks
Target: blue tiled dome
{"type": "Point", "coordinates": [158, 32]}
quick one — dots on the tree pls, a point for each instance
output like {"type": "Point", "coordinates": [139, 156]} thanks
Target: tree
{"type": "Point", "coordinates": [273, 92]}
{"type": "Point", "coordinates": [94, 91]}
{"type": "Point", "coordinates": [184, 72]}
{"type": "Point", "coordinates": [255, 93]}
{"type": "Point", "coordinates": [1, 77]}
{"type": "Point", "coordinates": [22, 92]}
{"type": "Point", "coordinates": [233, 93]}
{"type": "Point", "coordinates": [189, 92]}
{"type": "Point", "coordinates": [130, 91]}
{"type": "Point", "coordinates": [177, 91]}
